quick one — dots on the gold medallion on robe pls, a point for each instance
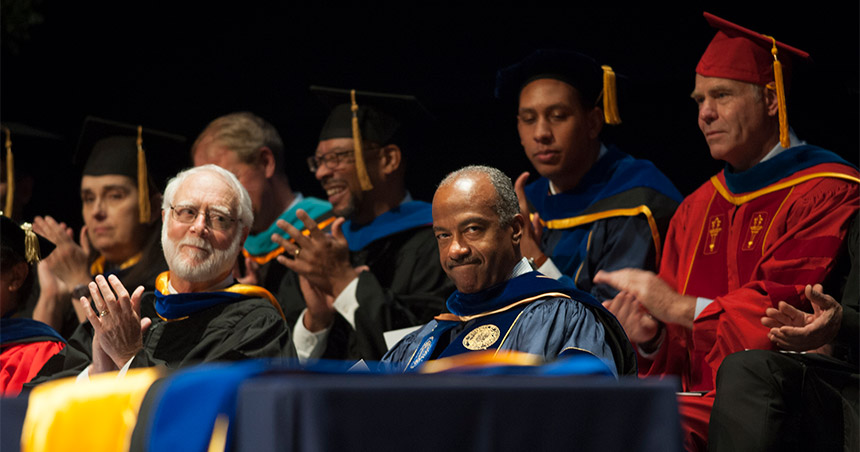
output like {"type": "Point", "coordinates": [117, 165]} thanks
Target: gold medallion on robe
{"type": "Point", "coordinates": [481, 337]}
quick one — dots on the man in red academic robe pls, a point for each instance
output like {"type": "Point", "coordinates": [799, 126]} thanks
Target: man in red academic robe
{"type": "Point", "coordinates": [755, 234]}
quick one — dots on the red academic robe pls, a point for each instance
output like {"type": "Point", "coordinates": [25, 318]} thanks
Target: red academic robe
{"type": "Point", "coordinates": [20, 362]}
{"type": "Point", "coordinates": [747, 251]}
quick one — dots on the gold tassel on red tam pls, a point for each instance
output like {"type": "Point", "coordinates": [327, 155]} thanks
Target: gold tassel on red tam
{"type": "Point", "coordinates": [784, 139]}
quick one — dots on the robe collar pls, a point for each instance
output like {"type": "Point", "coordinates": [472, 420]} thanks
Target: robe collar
{"type": "Point", "coordinates": [20, 330]}
{"type": "Point", "coordinates": [527, 287]}
{"type": "Point", "coordinates": [408, 215]}
{"type": "Point", "coordinates": [778, 167]}
{"type": "Point", "coordinates": [179, 306]}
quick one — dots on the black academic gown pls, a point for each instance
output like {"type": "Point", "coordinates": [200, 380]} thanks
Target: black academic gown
{"type": "Point", "coordinates": [251, 328]}
{"type": "Point", "coordinates": [405, 287]}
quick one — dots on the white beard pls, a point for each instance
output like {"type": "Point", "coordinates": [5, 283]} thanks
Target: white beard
{"type": "Point", "coordinates": [204, 265]}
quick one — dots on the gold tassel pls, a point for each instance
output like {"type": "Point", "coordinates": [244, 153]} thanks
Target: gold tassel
{"type": "Point", "coordinates": [142, 180]}
{"type": "Point", "coordinates": [784, 138]}
{"type": "Point", "coordinates": [610, 97]}
{"type": "Point", "coordinates": [31, 244]}
{"type": "Point", "coordinates": [10, 174]}
{"type": "Point", "coordinates": [363, 178]}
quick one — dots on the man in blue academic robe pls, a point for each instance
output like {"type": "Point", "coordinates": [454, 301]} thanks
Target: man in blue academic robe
{"type": "Point", "coordinates": [501, 303]}
{"type": "Point", "coordinates": [594, 207]}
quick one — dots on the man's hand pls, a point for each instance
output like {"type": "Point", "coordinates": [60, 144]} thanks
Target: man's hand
{"type": "Point", "coordinates": [653, 293]}
{"type": "Point", "coordinates": [117, 324]}
{"type": "Point", "coordinates": [68, 261]}
{"type": "Point", "coordinates": [321, 258]}
{"type": "Point", "coordinates": [320, 313]}
{"type": "Point", "coordinates": [640, 326]}
{"type": "Point", "coordinates": [792, 329]}
{"type": "Point", "coordinates": [102, 362]}
{"type": "Point", "coordinates": [530, 244]}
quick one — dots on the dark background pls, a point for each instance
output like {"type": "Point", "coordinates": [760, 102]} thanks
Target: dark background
{"type": "Point", "coordinates": [175, 69]}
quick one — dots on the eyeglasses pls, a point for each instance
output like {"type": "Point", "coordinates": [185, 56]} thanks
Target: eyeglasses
{"type": "Point", "coordinates": [215, 220]}
{"type": "Point", "coordinates": [331, 160]}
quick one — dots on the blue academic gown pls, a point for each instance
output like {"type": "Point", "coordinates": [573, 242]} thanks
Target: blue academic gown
{"type": "Point", "coordinates": [530, 313]}
{"type": "Point", "coordinates": [615, 218]}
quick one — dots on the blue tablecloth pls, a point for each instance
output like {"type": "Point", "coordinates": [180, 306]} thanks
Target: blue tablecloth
{"type": "Point", "coordinates": [455, 412]}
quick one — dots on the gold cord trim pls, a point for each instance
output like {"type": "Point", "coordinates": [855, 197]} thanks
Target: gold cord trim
{"type": "Point", "coordinates": [741, 199]}
{"type": "Point", "coordinates": [567, 223]}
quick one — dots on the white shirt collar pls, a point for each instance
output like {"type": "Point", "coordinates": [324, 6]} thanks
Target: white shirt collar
{"type": "Point", "coordinates": [521, 268]}
{"type": "Point", "coordinates": [793, 141]}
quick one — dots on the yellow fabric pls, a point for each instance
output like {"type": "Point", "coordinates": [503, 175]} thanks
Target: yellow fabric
{"type": "Point", "coordinates": [741, 199]}
{"type": "Point", "coordinates": [163, 280]}
{"type": "Point", "coordinates": [363, 178]}
{"type": "Point", "coordinates": [218, 440]}
{"type": "Point", "coordinates": [479, 359]}
{"type": "Point", "coordinates": [93, 416]}
{"type": "Point", "coordinates": [98, 265]}
{"type": "Point", "coordinates": [10, 174]}
{"type": "Point", "coordinates": [610, 97]}
{"type": "Point", "coordinates": [142, 179]}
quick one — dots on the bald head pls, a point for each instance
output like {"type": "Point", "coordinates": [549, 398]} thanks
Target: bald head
{"type": "Point", "coordinates": [478, 227]}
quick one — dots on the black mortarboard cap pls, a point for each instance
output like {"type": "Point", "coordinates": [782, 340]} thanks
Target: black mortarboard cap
{"type": "Point", "coordinates": [380, 115]}
{"type": "Point", "coordinates": [112, 147]}
{"type": "Point", "coordinates": [23, 241]}
{"type": "Point", "coordinates": [574, 68]}
{"type": "Point", "coordinates": [590, 79]}
{"type": "Point", "coordinates": [381, 118]}
{"type": "Point", "coordinates": [35, 145]}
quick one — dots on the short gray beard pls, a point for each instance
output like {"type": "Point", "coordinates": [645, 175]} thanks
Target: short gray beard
{"type": "Point", "coordinates": [216, 263]}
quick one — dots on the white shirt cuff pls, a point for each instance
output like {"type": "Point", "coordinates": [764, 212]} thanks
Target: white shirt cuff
{"type": "Point", "coordinates": [701, 304]}
{"type": "Point", "coordinates": [85, 374]}
{"type": "Point", "coordinates": [346, 302]}
{"type": "Point", "coordinates": [548, 268]}
{"type": "Point", "coordinates": [309, 345]}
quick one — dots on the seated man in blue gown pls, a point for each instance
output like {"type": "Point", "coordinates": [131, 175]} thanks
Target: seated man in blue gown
{"type": "Point", "coordinates": [501, 303]}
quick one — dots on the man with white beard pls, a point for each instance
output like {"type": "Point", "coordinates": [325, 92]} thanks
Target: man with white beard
{"type": "Point", "coordinates": [200, 313]}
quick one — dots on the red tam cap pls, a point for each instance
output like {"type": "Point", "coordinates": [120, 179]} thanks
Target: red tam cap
{"type": "Point", "coordinates": [741, 54]}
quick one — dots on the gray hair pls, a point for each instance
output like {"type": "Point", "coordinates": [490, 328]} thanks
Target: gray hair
{"type": "Point", "coordinates": [245, 214]}
{"type": "Point", "coordinates": [244, 133]}
{"type": "Point", "coordinates": [506, 204]}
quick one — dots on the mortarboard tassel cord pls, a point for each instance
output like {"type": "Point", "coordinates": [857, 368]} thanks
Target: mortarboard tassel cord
{"type": "Point", "coordinates": [31, 244]}
{"type": "Point", "coordinates": [784, 139]}
{"type": "Point", "coordinates": [363, 178]}
{"type": "Point", "coordinates": [610, 97]}
{"type": "Point", "coordinates": [142, 179]}
{"type": "Point", "coordinates": [10, 174]}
